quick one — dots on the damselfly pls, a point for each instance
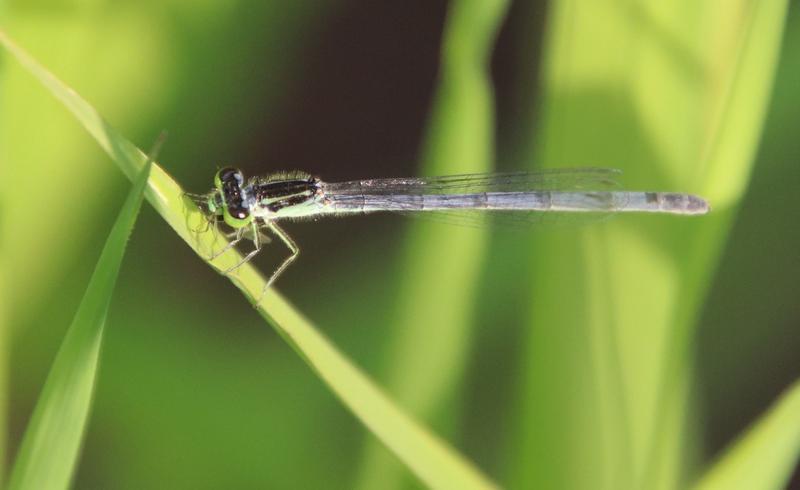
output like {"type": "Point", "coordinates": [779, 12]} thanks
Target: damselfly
{"type": "Point", "coordinates": [252, 207]}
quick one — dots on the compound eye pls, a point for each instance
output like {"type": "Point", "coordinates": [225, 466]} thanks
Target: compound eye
{"type": "Point", "coordinates": [228, 175]}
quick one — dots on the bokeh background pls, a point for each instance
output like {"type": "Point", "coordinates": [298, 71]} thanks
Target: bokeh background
{"type": "Point", "coordinates": [195, 391]}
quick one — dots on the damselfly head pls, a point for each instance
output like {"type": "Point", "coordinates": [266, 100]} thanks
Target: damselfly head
{"type": "Point", "coordinates": [231, 197]}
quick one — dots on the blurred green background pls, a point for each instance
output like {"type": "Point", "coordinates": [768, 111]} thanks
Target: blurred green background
{"type": "Point", "coordinates": [196, 392]}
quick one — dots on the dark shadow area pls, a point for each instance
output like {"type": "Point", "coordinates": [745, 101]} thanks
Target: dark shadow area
{"type": "Point", "coordinates": [360, 108]}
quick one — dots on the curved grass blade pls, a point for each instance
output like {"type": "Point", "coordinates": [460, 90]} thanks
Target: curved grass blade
{"type": "Point", "coordinates": [424, 364]}
{"type": "Point", "coordinates": [50, 448]}
{"type": "Point", "coordinates": [766, 454]}
{"type": "Point", "coordinates": [430, 458]}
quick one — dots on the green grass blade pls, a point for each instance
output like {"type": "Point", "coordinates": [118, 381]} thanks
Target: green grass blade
{"type": "Point", "coordinates": [766, 454]}
{"type": "Point", "coordinates": [430, 338]}
{"type": "Point", "coordinates": [50, 448]}
{"type": "Point", "coordinates": [675, 95]}
{"type": "Point", "coordinates": [5, 334]}
{"type": "Point", "coordinates": [430, 458]}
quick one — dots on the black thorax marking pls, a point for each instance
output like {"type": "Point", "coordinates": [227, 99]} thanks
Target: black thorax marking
{"type": "Point", "coordinates": [284, 193]}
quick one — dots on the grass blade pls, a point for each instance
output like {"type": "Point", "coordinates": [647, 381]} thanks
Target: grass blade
{"type": "Point", "coordinates": [675, 95]}
{"type": "Point", "coordinates": [50, 448]}
{"type": "Point", "coordinates": [766, 455]}
{"type": "Point", "coordinates": [424, 364]}
{"type": "Point", "coordinates": [430, 458]}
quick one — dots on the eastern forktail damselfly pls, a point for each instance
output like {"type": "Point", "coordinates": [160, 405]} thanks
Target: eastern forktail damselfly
{"type": "Point", "coordinates": [252, 207]}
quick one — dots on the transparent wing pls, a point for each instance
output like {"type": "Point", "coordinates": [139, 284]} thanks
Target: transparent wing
{"type": "Point", "coordinates": [402, 195]}
{"type": "Point", "coordinates": [588, 178]}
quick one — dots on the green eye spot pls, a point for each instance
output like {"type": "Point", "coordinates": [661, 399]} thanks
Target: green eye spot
{"type": "Point", "coordinates": [237, 217]}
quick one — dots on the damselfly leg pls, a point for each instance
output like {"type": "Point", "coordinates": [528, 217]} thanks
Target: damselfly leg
{"type": "Point", "coordinates": [256, 243]}
{"type": "Point", "coordinates": [239, 236]}
{"type": "Point", "coordinates": [293, 248]}
{"type": "Point", "coordinates": [256, 229]}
